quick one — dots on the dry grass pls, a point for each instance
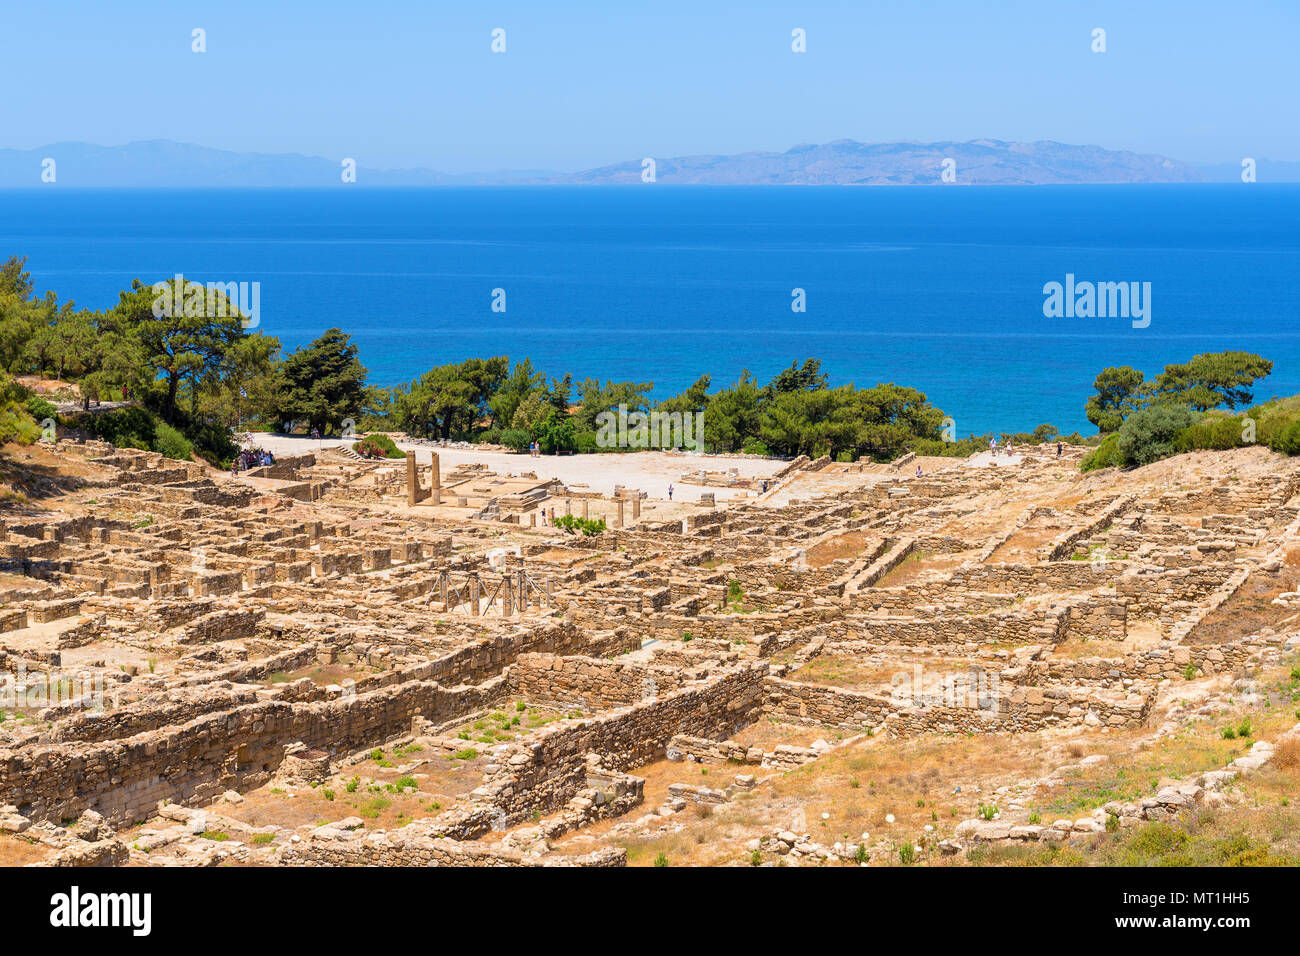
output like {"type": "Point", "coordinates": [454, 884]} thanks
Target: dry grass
{"type": "Point", "coordinates": [1286, 757]}
{"type": "Point", "coordinates": [17, 850]}
{"type": "Point", "coordinates": [874, 675]}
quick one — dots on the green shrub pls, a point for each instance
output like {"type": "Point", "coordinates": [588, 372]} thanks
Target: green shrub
{"type": "Point", "coordinates": [40, 409]}
{"type": "Point", "coordinates": [587, 526]}
{"type": "Point", "coordinates": [124, 427]}
{"type": "Point", "coordinates": [17, 426]}
{"type": "Point", "coordinates": [1148, 435]}
{"type": "Point", "coordinates": [1211, 433]}
{"type": "Point", "coordinates": [1285, 438]}
{"type": "Point", "coordinates": [516, 439]}
{"type": "Point", "coordinates": [211, 441]}
{"type": "Point", "coordinates": [1105, 455]}
{"type": "Point", "coordinates": [170, 443]}
{"type": "Point", "coordinates": [1278, 424]}
{"type": "Point", "coordinates": [557, 433]}
{"type": "Point", "coordinates": [378, 445]}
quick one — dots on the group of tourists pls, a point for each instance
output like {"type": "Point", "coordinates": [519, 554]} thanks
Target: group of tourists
{"type": "Point", "coordinates": [251, 458]}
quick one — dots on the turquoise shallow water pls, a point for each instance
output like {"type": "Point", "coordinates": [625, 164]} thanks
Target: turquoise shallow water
{"type": "Point", "coordinates": [940, 288]}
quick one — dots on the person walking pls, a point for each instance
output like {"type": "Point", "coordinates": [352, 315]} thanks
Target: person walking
{"type": "Point", "coordinates": [670, 492]}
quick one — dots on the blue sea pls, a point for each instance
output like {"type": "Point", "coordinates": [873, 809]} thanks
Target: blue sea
{"type": "Point", "coordinates": [938, 288]}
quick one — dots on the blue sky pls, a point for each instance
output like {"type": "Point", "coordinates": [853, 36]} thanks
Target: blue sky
{"type": "Point", "coordinates": [585, 83]}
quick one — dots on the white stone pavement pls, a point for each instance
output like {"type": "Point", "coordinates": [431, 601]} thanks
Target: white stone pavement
{"type": "Point", "coordinates": [650, 471]}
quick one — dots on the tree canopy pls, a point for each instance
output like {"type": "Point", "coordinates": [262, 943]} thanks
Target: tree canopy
{"type": "Point", "coordinates": [322, 383]}
{"type": "Point", "coordinates": [1206, 381]}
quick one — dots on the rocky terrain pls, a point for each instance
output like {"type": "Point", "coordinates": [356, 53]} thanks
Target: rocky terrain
{"type": "Point", "coordinates": [328, 661]}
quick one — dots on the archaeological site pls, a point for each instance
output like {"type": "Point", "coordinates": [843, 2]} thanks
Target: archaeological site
{"type": "Point", "coordinates": [329, 661]}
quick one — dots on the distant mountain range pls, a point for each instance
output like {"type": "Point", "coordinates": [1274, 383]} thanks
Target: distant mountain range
{"type": "Point", "coordinates": [163, 163]}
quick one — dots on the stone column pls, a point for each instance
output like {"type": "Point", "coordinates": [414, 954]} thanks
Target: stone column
{"type": "Point", "coordinates": [619, 519]}
{"type": "Point", "coordinates": [568, 506]}
{"type": "Point", "coordinates": [473, 596]}
{"type": "Point", "coordinates": [435, 481]}
{"type": "Point", "coordinates": [532, 519]}
{"type": "Point", "coordinates": [584, 509]}
{"type": "Point", "coordinates": [507, 596]}
{"type": "Point", "coordinates": [636, 507]}
{"type": "Point", "coordinates": [412, 480]}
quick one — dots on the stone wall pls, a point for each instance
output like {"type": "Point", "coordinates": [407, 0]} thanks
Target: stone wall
{"type": "Point", "coordinates": [552, 767]}
{"type": "Point", "coordinates": [1097, 617]}
{"type": "Point", "coordinates": [1161, 663]}
{"type": "Point", "coordinates": [1063, 547]}
{"type": "Point", "coordinates": [1030, 578]}
{"type": "Point", "coordinates": [240, 749]}
{"type": "Point", "coordinates": [1006, 627]}
{"type": "Point", "coordinates": [414, 845]}
{"type": "Point", "coordinates": [587, 682]}
{"type": "Point", "coordinates": [1151, 590]}
{"type": "Point", "coordinates": [1009, 709]}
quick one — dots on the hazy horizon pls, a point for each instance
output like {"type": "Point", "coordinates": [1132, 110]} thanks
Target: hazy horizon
{"type": "Point", "coordinates": [1227, 161]}
{"type": "Point", "coordinates": [403, 85]}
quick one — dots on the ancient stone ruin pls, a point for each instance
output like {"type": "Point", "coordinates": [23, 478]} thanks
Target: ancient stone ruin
{"type": "Point", "coordinates": [333, 662]}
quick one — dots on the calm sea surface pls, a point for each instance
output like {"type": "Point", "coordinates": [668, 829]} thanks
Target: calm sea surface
{"type": "Point", "coordinates": [939, 288]}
